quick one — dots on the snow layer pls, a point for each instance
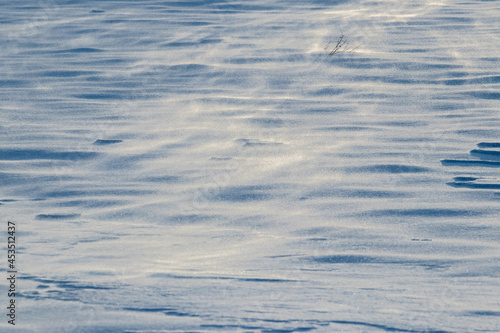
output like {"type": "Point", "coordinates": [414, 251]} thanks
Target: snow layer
{"type": "Point", "coordinates": [209, 166]}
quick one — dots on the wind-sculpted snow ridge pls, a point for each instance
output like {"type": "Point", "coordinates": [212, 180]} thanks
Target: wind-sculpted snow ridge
{"type": "Point", "coordinates": [487, 158]}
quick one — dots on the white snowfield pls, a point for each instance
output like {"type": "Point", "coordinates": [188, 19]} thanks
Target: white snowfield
{"type": "Point", "coordinates": [251, 166]}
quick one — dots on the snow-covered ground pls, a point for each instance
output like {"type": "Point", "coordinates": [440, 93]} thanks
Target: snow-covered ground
{"type": "Point", "coordinates": [209, 166]}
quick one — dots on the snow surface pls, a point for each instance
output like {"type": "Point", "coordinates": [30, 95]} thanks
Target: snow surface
{"type": "Point", "coordinates": [209, 166]}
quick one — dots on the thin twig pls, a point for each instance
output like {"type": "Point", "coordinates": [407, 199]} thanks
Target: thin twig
{"type": "Point", "coordinates": [341, 45]}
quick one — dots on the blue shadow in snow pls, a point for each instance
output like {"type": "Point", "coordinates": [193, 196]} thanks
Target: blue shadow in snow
{"type": "Point", "coordinates": [249, 60]}
{"type": "Point", "coordinates": [103, 96]}
{"type": "Point", "coordinates": [489, 164]}
{"type": "Point", "coordinates": [332, 109]}
{"type": "Point", "coordinates": [267, 122]}
{"type": "Point", "coordinates": [13, 83]}
{"type": "Point", "coordinates": [62, 283]}
{"type": "Point", "coordinates": [465, 179]}
{"type": "Point", "coordinates": [192, 23]}
{"type": "Point", "coordinates": [57, 216]}
{"type": "Point", "coordinates": [39, 154]}
{"type": "Point", "coordinates": [196, 277]}
{"type": "Point", "coordinates": [227, 7]}
{"type": "Point", "coordinates": [67, 73]}
{"type": "Point", "coordinates": [188, 67]}
{"type": "Point", "coordinates": [256, 142]}
{"type": "Point", "coordinates": [424, 212]}
{"type": "Point", "coordinates": [242, 193]}
{"type": "Point", "coordinates": [149, 309]}
{"type": "Point", "coordinates": [165, 311]}
{"type": "Point", "coordinates": [480, 132]}
{"type": "Point", "coordinates": [391, 168]}
{"type": "Point", "coordinates": [482, 80]}
{"type": "Point", "coordinates": [470, 184]}
{"type": "Point", "coordinates": [79, 50]}
{"type": "Point", "coordinates": [180, 44]}
{"type": "Point", "coordinates": [484, 95]}
{"type": "Point", "coordinates": [19, 178]}
{"type": "Point", "coordinates": [348, 259]}
{"type": "Point", "coordinates": [355, 193]}
{"type": "Point", "coordinates": [91, 193]}
{"type": "Point", "coordinates": [292, 330]}
{"type": "Point", "coordinates": [486, 154]}
{"type": "Point", "coordinates": [91, 203]}
{"type": "Point", "coordinates": [345, 128]}
{"type": "Point", "coordinates": [483, 313]}
{"type": "Point", "coordinates": [359, 259]}
{"type": "Point", "coordinates": [236, 328]}
{"type": "Point", "coordinates": [383, 327]}
{"type": "Point", "coordinates": [189, 218]}
{"type": "Point", "coordinates": [489, 145]}
{"type": "Point", "coordinates": [327, 2]}
{"type": "Point", "coordinates": [327, 92]}
{"type": "Point", "coordinates": [162, 179]}
{"type": "Point", "coordinates": [106, 142]}
{"type": "Point", "coordinates": [193, 3]}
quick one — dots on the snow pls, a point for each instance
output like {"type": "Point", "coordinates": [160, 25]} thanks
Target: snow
{"type": "Point", "coordinates": [208, 166]}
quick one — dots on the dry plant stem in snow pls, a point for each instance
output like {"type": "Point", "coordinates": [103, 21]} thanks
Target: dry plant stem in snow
{"type": "Point", "coordinates": [341, 43]}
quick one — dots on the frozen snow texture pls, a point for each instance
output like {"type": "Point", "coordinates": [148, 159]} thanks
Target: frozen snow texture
{"type": "Point", "coordinates": [207, 166]}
